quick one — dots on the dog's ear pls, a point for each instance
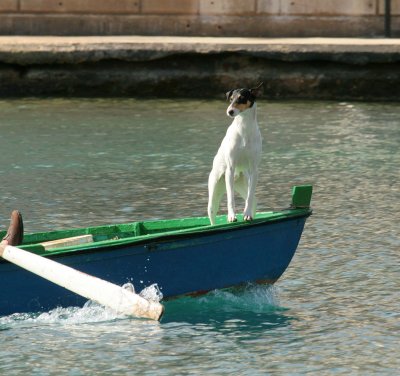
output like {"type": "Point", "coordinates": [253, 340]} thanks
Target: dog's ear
{"type": "Point", "coordinates": [258, 90]}
{"type": "Point", "coordinates": [229, 95]}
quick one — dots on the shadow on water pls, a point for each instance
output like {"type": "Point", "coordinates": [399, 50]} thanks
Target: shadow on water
{"type": "Point", "coordinates": [252, 308]}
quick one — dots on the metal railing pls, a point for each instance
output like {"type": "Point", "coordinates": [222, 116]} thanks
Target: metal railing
{"type": "Point", "coordinates": [388, 24]}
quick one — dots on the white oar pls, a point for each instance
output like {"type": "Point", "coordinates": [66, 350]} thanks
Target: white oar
{"type": "Point", "coordinates": [93, 288]}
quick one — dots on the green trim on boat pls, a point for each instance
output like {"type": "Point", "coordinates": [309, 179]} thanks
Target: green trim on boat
{"type": "Point", "coordinates": [136, 232]}
{"type": "Point", "coordinates": [301, 196]}
{"type": "Point", "coordinates": [146, 231]}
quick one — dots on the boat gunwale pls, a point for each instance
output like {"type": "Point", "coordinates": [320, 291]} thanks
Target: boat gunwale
{"type": "Point", "coordinates": [174, 235]}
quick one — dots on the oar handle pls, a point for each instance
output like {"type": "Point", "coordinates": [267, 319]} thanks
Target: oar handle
{"type": "Point", "coordinates": [90, 287]}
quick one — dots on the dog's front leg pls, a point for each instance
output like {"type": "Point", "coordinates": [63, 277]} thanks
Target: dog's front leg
{"type": "Point", "coordinates": [250, 206]}
{"type": "Point", "coordinates": [230, 194]}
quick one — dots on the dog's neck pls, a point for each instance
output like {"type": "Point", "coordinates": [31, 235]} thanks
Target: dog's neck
{"type": "Point", "coordinates": [248, 118]}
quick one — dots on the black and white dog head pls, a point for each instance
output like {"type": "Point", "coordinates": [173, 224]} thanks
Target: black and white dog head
{"type": "Point", "coordinates": [242, 99]}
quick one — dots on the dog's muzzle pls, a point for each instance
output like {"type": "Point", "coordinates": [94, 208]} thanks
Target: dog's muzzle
{"type": "Point", "coordinates": [232, 112]}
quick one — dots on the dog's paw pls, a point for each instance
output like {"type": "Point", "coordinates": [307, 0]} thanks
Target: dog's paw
{"type": "Point", "coordinates": [247, 218]}
{"type": "Point", "coordinates": [232, 218]}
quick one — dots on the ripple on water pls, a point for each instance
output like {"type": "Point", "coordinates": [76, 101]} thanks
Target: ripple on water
{"type": "Point", "coordinates": [123, 159]}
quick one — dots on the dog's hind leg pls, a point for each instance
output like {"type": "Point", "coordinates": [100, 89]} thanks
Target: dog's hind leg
{"type": "Point", "coordinates": [216, 189]}
{"type": "Point", "coordinates": [242, 187]}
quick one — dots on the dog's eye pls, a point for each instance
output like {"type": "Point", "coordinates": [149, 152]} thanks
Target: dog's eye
{"type": "Point", "coordinates": [242, 100]}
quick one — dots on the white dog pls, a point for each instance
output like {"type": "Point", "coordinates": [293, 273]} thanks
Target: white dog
{"type": "Point", "coordinates": [235, 167]}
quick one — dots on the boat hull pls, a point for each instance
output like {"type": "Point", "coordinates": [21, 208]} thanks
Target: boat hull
{"type": "Point", "coordinates": [183, 265]}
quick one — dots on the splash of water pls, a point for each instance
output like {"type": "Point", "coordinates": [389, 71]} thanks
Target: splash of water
{"type": "Point", "coordinates": [91, 312]}
{"type": "Point", "coordinates": [152, 293]}
{"type": "Point", "coordinates": [220, 305]}
{"type": "Point", "coordinates": [254, 298]}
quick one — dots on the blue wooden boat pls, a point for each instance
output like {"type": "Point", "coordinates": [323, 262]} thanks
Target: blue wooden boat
{"type": "Point", "coordinates": [182, 256]}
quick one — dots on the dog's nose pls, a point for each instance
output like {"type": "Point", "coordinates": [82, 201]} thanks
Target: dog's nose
{"type": "Point", "coordinates": [231, 113]}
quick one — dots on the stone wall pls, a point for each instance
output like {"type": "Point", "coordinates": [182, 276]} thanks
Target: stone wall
{"type": "Point", "coordinates": [165, 66]}
{"type": "Point", "coordinates": [257, 18]}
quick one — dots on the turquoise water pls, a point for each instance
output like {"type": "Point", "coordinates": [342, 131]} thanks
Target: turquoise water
{"type": "Point", "coordinates": [69, 163]}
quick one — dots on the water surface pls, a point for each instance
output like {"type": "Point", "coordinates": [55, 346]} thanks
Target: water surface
{"type": "Point", "coordinates": [68, 163]}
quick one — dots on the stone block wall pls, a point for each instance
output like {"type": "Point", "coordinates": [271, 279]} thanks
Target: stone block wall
{"type": "Point", "coordinates": [258, 18]}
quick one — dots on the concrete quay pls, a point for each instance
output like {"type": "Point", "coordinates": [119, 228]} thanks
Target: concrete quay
{"type": "Point", "coordinates": [164, 66]}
